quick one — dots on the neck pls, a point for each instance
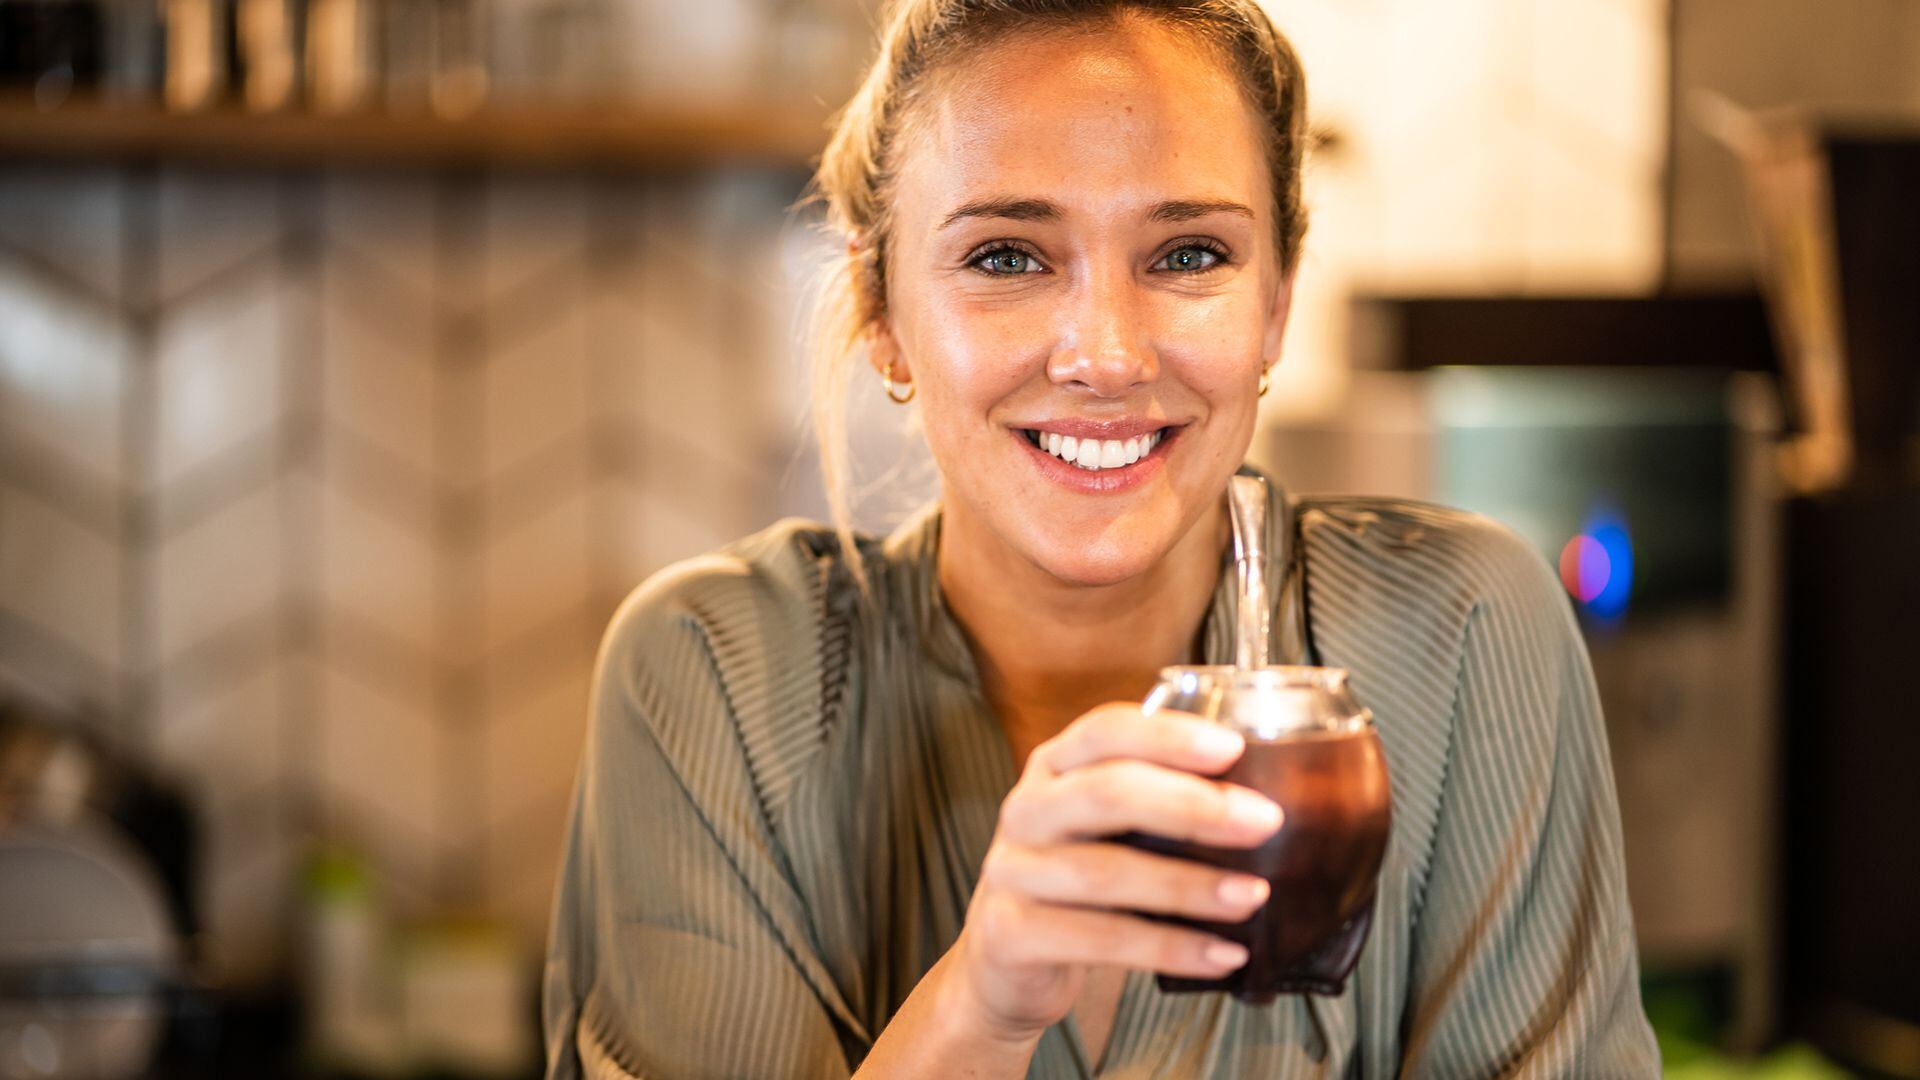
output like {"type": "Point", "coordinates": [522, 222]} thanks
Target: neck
{"type": "Point", "coordinates": [1048, 650]}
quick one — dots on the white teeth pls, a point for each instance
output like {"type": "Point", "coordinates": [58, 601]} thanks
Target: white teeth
{"type": "Point", "coordinates": [1095, 454]}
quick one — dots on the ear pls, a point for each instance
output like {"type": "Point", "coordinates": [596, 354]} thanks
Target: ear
{"type": "Point", "coordinates": [882, 348]}
{"type": "Point", "coordinates": [1277, 322]}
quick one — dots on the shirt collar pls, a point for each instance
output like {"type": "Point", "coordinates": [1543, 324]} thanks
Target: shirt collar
{"type": "Point", "coordinates": [912, 568]}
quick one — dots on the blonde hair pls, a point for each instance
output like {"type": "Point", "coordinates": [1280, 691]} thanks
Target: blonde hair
{"type": "Point", "coordinates": [857, 170]}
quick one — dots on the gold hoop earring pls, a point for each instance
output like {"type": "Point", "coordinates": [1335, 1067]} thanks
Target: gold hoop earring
{"type": "Point", "coordinates": [1263, 381]}
{"type": "Point", "coordinates": [886, 380]}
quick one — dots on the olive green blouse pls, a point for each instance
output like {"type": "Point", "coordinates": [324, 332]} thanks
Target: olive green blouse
{"type": "Point", "coordinates": [786, 796]}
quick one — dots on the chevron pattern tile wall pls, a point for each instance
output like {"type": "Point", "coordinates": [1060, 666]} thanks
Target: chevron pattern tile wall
{"type": "Point", "coordinates": [320, 488]}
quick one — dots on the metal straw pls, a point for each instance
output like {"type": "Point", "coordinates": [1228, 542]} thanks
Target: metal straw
{"type": "Point", "coordinates": [1247, 500]}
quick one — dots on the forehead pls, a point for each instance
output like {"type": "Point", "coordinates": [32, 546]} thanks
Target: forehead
{"type": "Point", "coordinates": [1098, 119]}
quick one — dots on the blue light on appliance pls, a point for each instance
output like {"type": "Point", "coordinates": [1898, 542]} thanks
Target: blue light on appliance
{"type": "Point", "coordinates": [1596, 566]}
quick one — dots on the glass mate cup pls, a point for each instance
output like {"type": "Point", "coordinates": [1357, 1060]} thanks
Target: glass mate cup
{"type": "Point", "coordinates": [1312, 749]}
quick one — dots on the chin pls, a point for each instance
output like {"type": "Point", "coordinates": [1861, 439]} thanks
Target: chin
{"type": "Point", "coordinates": [1107, 558]}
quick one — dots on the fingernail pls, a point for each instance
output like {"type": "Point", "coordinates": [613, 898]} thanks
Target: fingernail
{"type": "Point", "coordinates": [1226, 954]}
{"type": "Point", "coordinates": [1243, 891]}
{"type": "Point", "coordinates": [1252, 810]}
{"type": "Point", "coordinates": [1216, 741]}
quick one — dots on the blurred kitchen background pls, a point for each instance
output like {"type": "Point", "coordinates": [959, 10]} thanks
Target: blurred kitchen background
{"type": "Point", "coordinates": [358, 356]}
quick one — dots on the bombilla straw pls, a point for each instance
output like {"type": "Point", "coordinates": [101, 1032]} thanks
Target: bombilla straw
{"type": "Point", "coordinates": [1247, 500]}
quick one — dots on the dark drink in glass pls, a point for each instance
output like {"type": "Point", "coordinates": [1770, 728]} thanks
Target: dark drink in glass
{"type": "Point", "coordinates": [1313, 751]}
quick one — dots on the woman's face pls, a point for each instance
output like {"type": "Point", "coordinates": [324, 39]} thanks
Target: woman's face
{"type": "Point", "coordinates": [1084, 286]}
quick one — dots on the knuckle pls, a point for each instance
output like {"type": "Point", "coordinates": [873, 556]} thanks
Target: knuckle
{"type": "Point", "coordinates": [1071, 788]}
{"type": "Point", "coordinates": [1171, 730]}
{"type": "Point", "coordinates": [1108, 720]}
{"type": "Point", "coordinates": [1041, 761]}
{"type": "Point", "coordinates": [1173, 951]}
{"type": "Point", "coordinates": [1136, 787]}
{"type": "Point", "coordinates": [1173, 886]}
{"type": "Point", "coordinates": [994, 871]}
{"type": "Point", "coordinates": [1102, 792]}
{"type": "Point", "coordinates": [1016, 810]}
{"type": "Point", "coordinates": [1091, 876]}
{"type": "Point", "coordinates": [1088, 731]}
{"type": "Point", "coordinates": [1182, 893]}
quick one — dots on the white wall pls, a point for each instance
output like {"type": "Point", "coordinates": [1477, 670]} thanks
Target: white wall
{"type": "Point", "coordinates": [1849, 55]}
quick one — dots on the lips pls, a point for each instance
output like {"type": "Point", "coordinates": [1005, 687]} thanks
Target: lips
{"type": "Point", "coordinates": [1123, 427]}
{"type": "Point", "coordinates": [1117, 455]}
{"type": "Point", "coordinates": [1094, 453]}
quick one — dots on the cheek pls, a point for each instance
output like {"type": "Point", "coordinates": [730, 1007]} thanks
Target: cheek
{"type": "Point", "coordinates": [1214, 343]}
{"type": "Point", "coordinates": [976, 357]}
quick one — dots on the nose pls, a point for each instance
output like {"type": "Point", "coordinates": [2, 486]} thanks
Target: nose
{"type": "Point", "coordinates": [1105, 343]}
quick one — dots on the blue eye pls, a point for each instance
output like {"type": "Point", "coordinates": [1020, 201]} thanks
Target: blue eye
{"type": "Point", "coordinates": [1190, 258]}
{"type": "Point", "coordinates": [1005, 261]}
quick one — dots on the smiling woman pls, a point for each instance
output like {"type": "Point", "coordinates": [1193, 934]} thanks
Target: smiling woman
{"type": "Point", "coordinates": [1102, 199]}
{"type": "Point", "coordinates": [849, 804]}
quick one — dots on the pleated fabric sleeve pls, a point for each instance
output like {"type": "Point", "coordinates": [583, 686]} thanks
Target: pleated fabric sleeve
{"type": "Point", "coordinates": [678, 948]}
{"type": "Point", "coordinates": [1522, 954]}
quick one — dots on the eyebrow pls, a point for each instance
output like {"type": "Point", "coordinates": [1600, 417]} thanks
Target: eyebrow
{"type": "Point", "coordinates": [1176, 210]}
{"type": "Point", "coordinates": [1188, 209]}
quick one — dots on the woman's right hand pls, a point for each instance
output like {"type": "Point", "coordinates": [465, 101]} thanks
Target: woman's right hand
{"type": "Point", "coordinates": [1056, 891]}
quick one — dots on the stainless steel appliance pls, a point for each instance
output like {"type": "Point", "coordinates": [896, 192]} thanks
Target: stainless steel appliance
{"type": "Point", "coordinates": [86, 953]}
{"type": "Point", "coordinates": [1631, 442]}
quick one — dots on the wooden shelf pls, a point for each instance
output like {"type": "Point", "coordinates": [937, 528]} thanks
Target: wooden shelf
{"type": "Point", "coordinates": [1415, 333]}
{"type": "Point", "coordinates": [623, 138]}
